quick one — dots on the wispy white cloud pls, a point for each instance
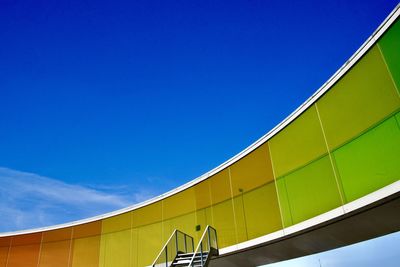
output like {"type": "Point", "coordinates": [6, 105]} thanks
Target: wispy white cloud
{"type": "Point", "coordinates": [29, 200]}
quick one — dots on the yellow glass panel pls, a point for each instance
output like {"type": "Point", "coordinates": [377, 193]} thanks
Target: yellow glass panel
{"type": "Point", "coordinates": [220, 186]}
{"type": "Point", "coordinates": [241, 228]}
{"type": "Point", "coordinates": [115, 249]}
{"type": "Point", "coordinates": [252, 171]}
{"type": "Point", "coordinates": [202, 195]}
{"type": "Point", "coordinates": [224, 223]}
{"type": "Point", "coordinates": [134, 247]}
{"type": "Point", "coordinates": [86, 245]}
{"type": "Point", "coordinates": [204, 218]}
{"type": "Point", "coordinates": [86, 252]}
{"type": "Point", "coordinates": [150, 243]}
{"type": "Point", "coordinates": [222, 209]}
{"type": "Point", "coordinates": [362, 98]}
{"type": "Point", "coordinates": [179, 204]}
{"type": "Point", "coordinates": [298, 144]}
{"type": "Point", "coordinates": [149, 214]}
{"type": "Point", "coordinates": [117, 223]}
{"type": "Point", "coordinates": [185, 223]}
{"type": "Point", "coordinates": [115, 245]}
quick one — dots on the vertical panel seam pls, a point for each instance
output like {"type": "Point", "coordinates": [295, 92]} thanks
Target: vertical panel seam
{"type": "Point", "coordinates": [233, 205]}
{"type": "Point", "coordinates": [388, 70]}
{"type": "Point", "coordinates": [9, 250]}
{"type": "Point", "coordinates": [211, 201]}
{"type": "Point", "coordinates": [162, 221]}
{"type": "Point", "coordinates": [130, 239]}
{"type": "Point", "coordinates": [40, 249]}
{"type": "Point", "coordinates": [70, 247]}
{"type": "Point", "coordinates": [276, 188]}
{"type": "Point", "coordinates": [330, 158]}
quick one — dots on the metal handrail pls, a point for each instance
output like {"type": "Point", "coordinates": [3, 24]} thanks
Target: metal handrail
{"type": "Point", "coordinates": [165, 247]}
{"type": "Point", "coordinates": [200, 245]}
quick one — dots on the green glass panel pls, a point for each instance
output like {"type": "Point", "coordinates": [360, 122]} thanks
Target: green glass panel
{"type": "Point", "coordinates": [284, 202]}
{"type": "Point", "coordinates": [362, 98]}
{"type": "Point", "coordinates": [371, 161]}
{"type": "Point", "coordinates": [311, 190]}
{"type": "Point", "coordinates": [398, 119]}
{"type": "Point", "coordinates": [299, 143]}
{"type": "Point", "coordinates": [390, 46]}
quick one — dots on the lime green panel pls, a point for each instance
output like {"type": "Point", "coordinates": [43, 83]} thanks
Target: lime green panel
{"type": "Point", "coordinates": [371, 161]}
{"type": "Point", "coordinates": [362, 98]}
{"type": "Point", "coordinates": [150, 243]}
{"type": "Point", "coordinates": [284, 202]}
{"type": "Point", "coordinates": [298, 144]}
{"type": "Point", "coordinates": [311, 190]}
{"type": "Point", "coordinates": [390, 45]}
{"type": "Point", "coordinates": [398, 119]}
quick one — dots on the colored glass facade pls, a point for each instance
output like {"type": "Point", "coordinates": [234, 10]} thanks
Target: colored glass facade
{"type": "Point", "coordinates": [342, 147]}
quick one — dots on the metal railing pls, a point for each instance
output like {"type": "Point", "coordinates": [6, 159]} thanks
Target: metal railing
{"type": "Point", "coordinates": [207, 244]}
{"type": "Point", "coordinates": [178, 242]}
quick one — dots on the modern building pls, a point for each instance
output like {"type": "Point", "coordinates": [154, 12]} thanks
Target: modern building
{"type": "Point", "coordinates": [325, 177]}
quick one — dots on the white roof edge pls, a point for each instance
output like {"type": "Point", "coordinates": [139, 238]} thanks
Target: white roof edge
{"type": "Point", "coordinates": [311, 100]}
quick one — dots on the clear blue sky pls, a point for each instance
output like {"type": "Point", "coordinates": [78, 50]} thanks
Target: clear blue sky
{"type": "Point", "coordinates": [107, 103]}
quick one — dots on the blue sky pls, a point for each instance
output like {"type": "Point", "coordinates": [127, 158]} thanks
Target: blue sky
{"type": "Point", "coordinates": [105, 104]}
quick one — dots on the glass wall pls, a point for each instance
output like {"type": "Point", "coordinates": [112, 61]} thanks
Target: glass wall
{"type": "Point", "coordinates": [344, 146]}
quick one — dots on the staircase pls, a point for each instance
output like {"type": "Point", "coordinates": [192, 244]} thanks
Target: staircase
{"type": "Point", "coordinates": [183, 259]}
{"type": "Point", "coordinates": [179, 251]}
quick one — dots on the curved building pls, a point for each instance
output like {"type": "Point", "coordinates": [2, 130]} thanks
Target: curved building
{"type": "Point", "coordinates": [327, 176]}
